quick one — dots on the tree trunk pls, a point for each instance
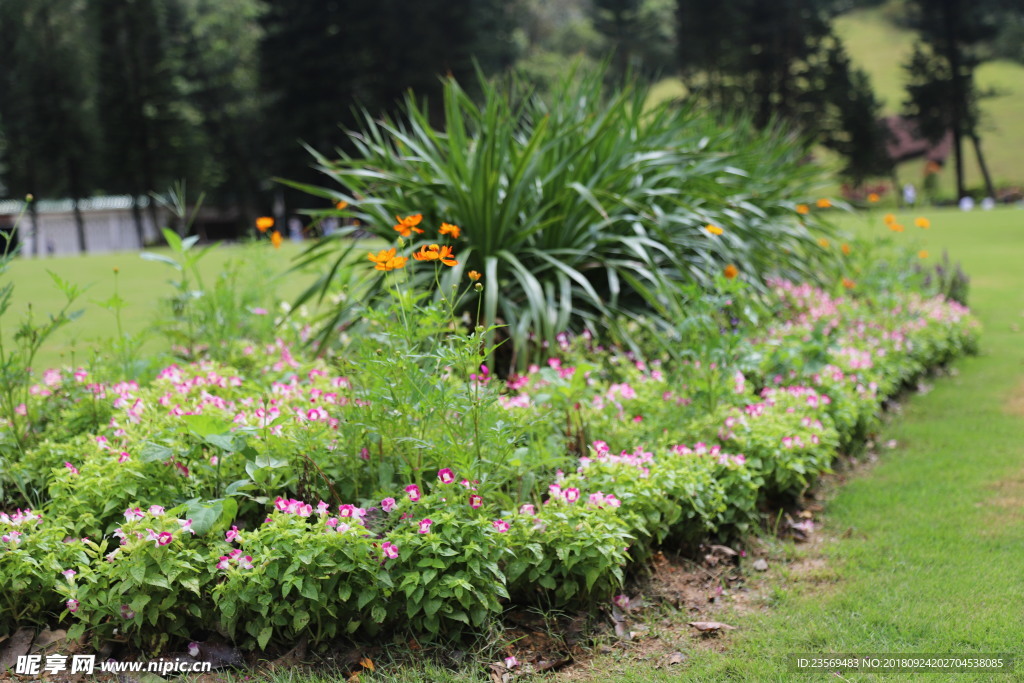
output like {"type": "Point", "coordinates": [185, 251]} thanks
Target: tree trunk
{"type": "Point", "coordinates": [79, 225]}
{"type": "Point", "coordinates": [950, 11]}
{"type": "Point", "coordinates": [990, 190]}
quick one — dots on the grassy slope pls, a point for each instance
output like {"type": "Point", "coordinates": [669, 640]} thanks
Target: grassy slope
{"type": "Point", "coordinates": [142, 283]}
{"type": "Point", "coordinates": [930, 560]}
{"type": "Point", "coordinates": [880, 48]}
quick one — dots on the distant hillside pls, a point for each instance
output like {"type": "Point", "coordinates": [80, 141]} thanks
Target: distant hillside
{"type": "Point", "coordinates": [881, 48]}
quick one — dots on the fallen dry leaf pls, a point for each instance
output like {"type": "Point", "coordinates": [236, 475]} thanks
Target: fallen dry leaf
{"type": "Point", "coordinates": [676, 658]}
{"type": "Point", "coordinates": [761, 564]}
{"type": "Point", "coordinates": [367, 663]}
{"type": "Point", "coordinates": [711, 626]}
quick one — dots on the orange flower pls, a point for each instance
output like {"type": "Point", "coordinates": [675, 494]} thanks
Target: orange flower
{"type": "Point", "coordinates": [452, 231]}
{"type": "Point", "coordinates": [873, 197]}
{"type": "Point", "coordinates": [889, 219]}
{"type": "Point", "coordinates": [730, 271]}
{"type": "Point", "coordinates": [823, 242]}
{"type": "Point", "coordinates": [341, 205]}
{"type": "Point", "coordinates": [264, 223]}
{"type": "Point", "coordinates": [407, 225]}
{"type": "Point", "coordinates": [473, 275]}
{"type": "Point", "coordinates": [896, 227]}
{"type": "Point", "coordinates": [714, 229]}
{"type": "Point", "coordinates": [433, 252]}
{"type": "Point", "coordinates": [824, 203]}
{"type": "Point", "coordinates": [276, 239]}
{"type": "Point", "coordinates": [848, 283]}
{"type": "Point", "coordinates": [922, 254]}
{"type": "Point", "coordinates": [386, 260]}
{"type": "Point", "coordinates": [922, 222]}
{"type": "Point", "coordinates": [846, 249]}
{"type": "Point", "coordinates": [803, 209]}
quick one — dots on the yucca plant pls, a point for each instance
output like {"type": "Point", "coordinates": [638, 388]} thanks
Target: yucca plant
{"type": "Point", "coordinates": [577, 210]}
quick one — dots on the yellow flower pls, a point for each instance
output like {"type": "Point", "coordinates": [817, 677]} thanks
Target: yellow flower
{"type": "Point", "coordinates": [264, 223]}
{"type": "Point", "coordinates": [889, 218]}
{"type": "Point", "coordinates": [407, 225]}
{"type": "Point", "coordinates": [386, 260]}
{"type": "Point", "coordinates": [276, 239]}
{"type": "Point", "coordinates": [823, 242]}
{"type": "Point", "coordinates": [873, 197]}
{"type": "Point", "coordinates": [824, 203]}
{"type": "Point", "coordinates": [730, 271]}
{"type": "Point", "coordinates": [473, 275]}
{"type": "Point", "coordinates": [803, 209]}
{"type": "Point", "coordinates": [922, 254]}
{"type": "Point", "coordinates": [714, 229]}
{"type": "Point", "coordinates": [846, 249]}
{"type": "Point", "coordinates": [452, 231]}
{"type": "Point", "coordinates": [922, 222]}
{"type": "Point", "coordinates": [341, 205]}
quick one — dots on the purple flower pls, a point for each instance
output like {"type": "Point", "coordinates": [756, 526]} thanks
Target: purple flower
{"type": "Point", "coordinates": [390, 550]}
{"type": "Point", "coordinates": [475, 500]}
{"type": "Point", "coordinates": [126, 612]}
{"type": "Point", "coordinates": [501, 525]}
{"type": "Point", "coordinates": [193, 649]}
{"type": "Point", "coordinates": [414, 492]}
{"type": "Point", "coordinates": [446, 476]}
{"type": "Point", "coordinates": [425, 525]}
{"type": "Point", "coordinates": [388, 504]}
{"type": "Point", "coordinates": [621, 601]}
{"type": "Point", "coordinates": [72, 605]}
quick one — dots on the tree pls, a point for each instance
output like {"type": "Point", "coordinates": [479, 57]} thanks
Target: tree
{"type": "Point", "coordinates": [635, 31]}
{"type": "Point", "coordinates": [941, 92]}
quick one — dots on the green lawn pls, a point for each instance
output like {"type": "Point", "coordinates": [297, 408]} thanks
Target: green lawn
{"type": "Point", "coordinates": [142, 284]}
{"type": "Point", "coordinates": [924, 551]}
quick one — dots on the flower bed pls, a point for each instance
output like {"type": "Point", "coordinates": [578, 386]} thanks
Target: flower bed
{"type": "Point", "coordinates": [273, 496]}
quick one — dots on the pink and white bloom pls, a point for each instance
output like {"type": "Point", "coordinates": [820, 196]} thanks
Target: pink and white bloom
{"type": "Point", "coordinates": [69, 574]}
{"type": "Point", "coordinates": [390, 550]}
{"type": "Point", "coordinates": [388, 504]}
{"type": "Point", "coordinates": [527, 509]}
{"type": "Point", "coordinates": [425, 525]}
{"type": "Point", "coordinates": [475, 500]}
{"type": "Point", "coordinates": [511, 662]}
{"type": "Point", "coordinates": [163, 538]}
{"type": "Point", "coordinates": [501, 525]}
{"type": "Point", "coordinates": [446, 476]}
{"type": "Point", "coordinates": [414, 492]}
{"type": "Point", "coordinates": [72, 605]}
{"type": "Point", "coordinates": [156, 510]}
{"type": "Point", "coordinates": [572, 494]}
{"type": "Point", "coordinates": [74, 470]}
{"type": "Point", "coordinates": [133, 514]}
{"type": "Point", "coordinates": [232, 535]}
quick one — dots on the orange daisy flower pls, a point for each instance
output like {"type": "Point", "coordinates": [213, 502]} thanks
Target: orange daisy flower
{"type": "Point", "coordinates": [386, 260]}
{"type": "Point", "coordinates": [846, 249]}
{"type": "Point", "coordinates": [406, 226]}
{"type": "Point", "coordinates": [848, 283]}
{"type": "Point", "coordinates": [434, 252]}
{"type": "Point", "coordinates": [824, 203]}
{"type": "Point", "coordinates": [896, 227]}
{"type": "Point", "coordinates": [889, 218]}
{"type": "Point", "coordinates": [264, 223]}
{"type": "Point", "coordinates": [803, 209]}
{"type": "Point", "coordinates": [730, 271]}
{"type": "Point", "coordinates": [452, 231]}
{"type": "Point", "coordinates": [823, 242]}
{"type": "Point", "coordinates": [276, 239]}
{"type": "Point", "coordinates": [473, 275]}
{"type": "Point", "coordinates": [341, 205]}
{"type": "Point", "coordinates": [922, 254]}
{"type": "Point", "coordinates": [873, 197]}
{"type": "Point", "coordinates": [922, 222]}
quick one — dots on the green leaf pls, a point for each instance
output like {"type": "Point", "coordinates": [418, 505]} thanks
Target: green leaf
{"type": "Point", "coordinates": [264, 637]}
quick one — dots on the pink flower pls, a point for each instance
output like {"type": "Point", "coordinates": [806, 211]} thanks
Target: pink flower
{"type": "Point", "coordinates": [501, 525]}
{"type": "Point", "coordinates": [414, 492]}
{"type": "Point", "coordinates": [163, 538]}
{"type": "Point", "coordinates": [233, 534]}
{"type": "Point", "coordinates": [156, 510]}
{"type": "Point", "coordinates": [572, 494]}
{"type": "Point", "coordinates": [388, 504]}
{"type": "Point", "coordinates": [133, 514]}
{"type": "Point", "coordinates": [446, 476]}
{"type": "Point", "coordinates": [68, 574]}
{"type": "Point", "coordinates": [322, 508]}
{"type": "Point", "coordinates": [123, 458]}
{"type": "Point", "coordinates": [511, 662]}
{"type": "Point", "coordinates": [332, 522]}
{"type": "Point", "coordinates": [186, 525]}
{"type": "Point", "coordinates": [281, 504]}
{"type": "Point", "coordinates": [224, 562]}
{"type": "Point", "coordinates": [527, 509]}
{"type": "Point", "coordinates": [475, 500]}
{"type": "Point", "coordinates": [347, 510]}
{"type": "Point", "coordinates": [621, 601]}
{"type": "Point", "coordinates": [364, 453]}
{"type": "Point", "coordinates": [74, 470]}
{"type": "Point", "coordinates": [245, 562]}
{"type": "Point", "coordinates": [126, 612]}
{"type": "Point", "coordinates": [425, 525]}
{"type": "Point", "coordinates": [390, 550]}
{"type": "Point", "coordinates": [72, 605]}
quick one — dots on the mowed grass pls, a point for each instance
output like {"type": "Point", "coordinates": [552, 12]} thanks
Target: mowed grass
{"type": "Point", "coordinates": [923, 552]}
{"type": "Point", "coordinates": [142, 284]}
